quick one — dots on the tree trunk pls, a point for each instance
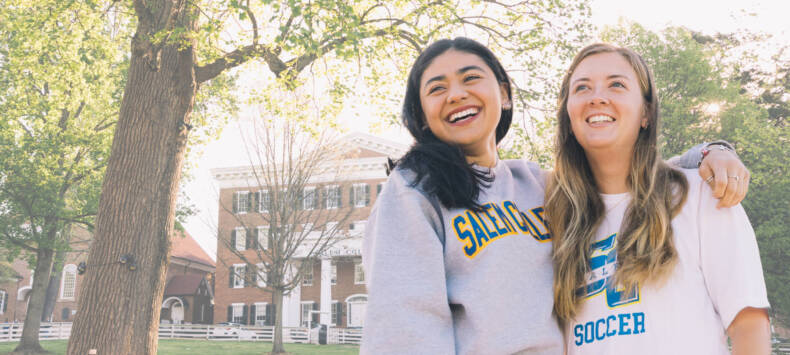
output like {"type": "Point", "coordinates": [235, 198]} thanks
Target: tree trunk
{"type": "Point", "coordinates": [118, 310]}
{"type": "Point", "coordinates": [54, 286]}
{"type": "Point", "coordinates": [277, 298]}
{"type": "Point", "coordinates": [29, 342]}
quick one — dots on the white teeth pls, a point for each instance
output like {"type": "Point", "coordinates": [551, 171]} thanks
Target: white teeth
{"type": "Point", "coordinates": [468, 112]}
{"type": "Point", "coordinates": [600, 118]}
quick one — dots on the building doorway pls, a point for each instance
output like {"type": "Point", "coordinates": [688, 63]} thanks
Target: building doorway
{"type": "Point", "coordinates": [357, 304]}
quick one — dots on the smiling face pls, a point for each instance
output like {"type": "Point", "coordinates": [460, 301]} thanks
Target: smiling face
{"type": "Point", "coordinates": [605, 103]}
{"type": "Point", "coordinates": [462, 101]}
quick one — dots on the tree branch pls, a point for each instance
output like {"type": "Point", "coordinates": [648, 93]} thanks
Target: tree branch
{"type": "Point", "coordinates": [20, 243]}
{"type": "Point", "coordinates": [64, 117]}
{"type": "Point", "coordinates": [239, 56]}
{"type": "Point", "coordinates": [77, 221]}
{"type": "Point", "coordinates": [254, 23]}
{"type": "Point", "coordinates": [103, 124]}
{"type": "Point", "coordinates": [284, 32]}
{"type": "Point", "coordinates": [26, 128]}
{"type": "Point", "coordinates": [79, 110]}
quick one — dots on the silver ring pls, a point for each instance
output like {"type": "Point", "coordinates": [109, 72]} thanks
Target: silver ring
{"type": "Point", "coordinates": [709, 179]}
{"type": "Point", "coordinates": [736, 177]}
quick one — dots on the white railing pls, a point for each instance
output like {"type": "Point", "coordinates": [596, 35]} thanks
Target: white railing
{"type": "Point", "coordinates": [216, 332]}
{"type": "Point", "coordinates": [51, 331]}
{"type": "Point", "coordinates": [48, 331]}
{"type": "Point", "coordinates": [344, 336]}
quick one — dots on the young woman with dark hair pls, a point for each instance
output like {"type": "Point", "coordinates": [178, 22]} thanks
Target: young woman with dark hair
{"type": "Point", "coordinates": [456, 253]}
{"type": "Point", "coordinates": [643, 260]}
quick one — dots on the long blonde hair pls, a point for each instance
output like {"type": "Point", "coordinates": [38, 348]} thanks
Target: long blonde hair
{"type": "Point", "coordinates": [645, 249]}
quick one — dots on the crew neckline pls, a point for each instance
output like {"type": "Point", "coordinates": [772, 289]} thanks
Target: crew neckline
{"type": "Point", "coordinates": [487, 169]}
{"type": "Point", "coordinates": [609, 199]}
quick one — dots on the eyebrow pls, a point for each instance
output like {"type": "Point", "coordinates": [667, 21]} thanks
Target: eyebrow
{"type": "Point", "coordinates": [459, 71]}
{"type": "Point", "coordinates": [613, 76]}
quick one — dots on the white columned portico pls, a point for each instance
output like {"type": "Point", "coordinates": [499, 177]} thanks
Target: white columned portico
{"type": "Point", "coordinates": [326, 291]}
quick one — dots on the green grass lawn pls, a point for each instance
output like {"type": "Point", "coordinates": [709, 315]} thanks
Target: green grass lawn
{"type": "Point", "coordinates": [210, 347]}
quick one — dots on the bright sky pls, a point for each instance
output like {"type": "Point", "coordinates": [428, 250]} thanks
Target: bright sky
{"type": "Point", "coordinates": [707, 16]}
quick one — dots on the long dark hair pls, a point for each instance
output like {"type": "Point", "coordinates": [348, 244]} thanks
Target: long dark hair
{"type": "Point", "coordinates": [442, 168]}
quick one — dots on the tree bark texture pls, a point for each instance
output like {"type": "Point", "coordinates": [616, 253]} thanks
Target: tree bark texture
{"type": "Point", "coordinates": [54, 286]}
{"type": "Point", "coordinates": [118, 310]}
{"type": "Point", "coordinates": [29, 341]}
{"type": "Point", "coordinates": [277, 297]}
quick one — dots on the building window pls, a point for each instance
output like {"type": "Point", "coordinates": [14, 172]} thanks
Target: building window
{"type": "Point", "coordinates": [241, 238]}
{"type": "Point", "coordinates": [333, 197]}
{"type": "Point", "coordinates": [260, 275]}
{"type": "Point", "coordinates": [238, 312]}
{"type": "Point", "coordinates": [360, 195]}
{"type": "Point", "coordinates": [264, 201]}
{"type": "Point", "coordinates": [306, 316]}
{"type": "Point", "coordinates": [263, 237]}
{"type": "Point", "coordinates": [69, 282]}
{"type": "Point", "coordinates": [379, 187]}
{"type": "Point", "coordinates": [310, 199]}
{"type": "Point", "coordinates": [335, 312]}
{"type": "Point", "coordinates": [260, 313]}
{"type": "Point", "coordinates": [241, 201]}
{"type": "Point", "coordinates": [238, 275]}
{"type": "Point", "coordinates": [3, 301]}
{"type": "Point", "coordinates": [359, 274]}
{"type": "Point", "coordinates": [357, 227]}
{"type": "Point", "coordinates": [307, 277]}
{"type": "Point", "coordinates": [334, 274]}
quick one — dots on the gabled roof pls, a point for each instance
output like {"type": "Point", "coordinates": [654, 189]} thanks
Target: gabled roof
{"type": "Point", "coordinates": [185, 247]}
{"type": "Point", "coordinates": [381, 145]}
{"type": "Point", "coordinates": [369, 165]}
{"type": "Point", "coordinates": [183, 285]}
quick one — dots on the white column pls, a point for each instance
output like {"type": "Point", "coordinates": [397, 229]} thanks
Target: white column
{"type": "Point", "coordinates": [326, 291]}
{"type": "Point", "coordinates": [292, 305]}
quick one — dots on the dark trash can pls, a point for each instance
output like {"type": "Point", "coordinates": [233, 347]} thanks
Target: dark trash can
{"type": "Point", "coordinates": [322, 334]}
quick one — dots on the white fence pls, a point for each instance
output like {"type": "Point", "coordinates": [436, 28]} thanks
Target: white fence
{"type": "Point", "coordinates": [50, 331]}
{"type": "Point", "coordinates": [344, 336]}
{"type": "Point", "coordinates": [216, 332]}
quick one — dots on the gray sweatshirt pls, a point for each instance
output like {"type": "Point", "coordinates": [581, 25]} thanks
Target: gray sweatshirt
{"type": "Point", "coordinates": [488, 290]}
{"type": "Point", "coordinates": [453, 281]}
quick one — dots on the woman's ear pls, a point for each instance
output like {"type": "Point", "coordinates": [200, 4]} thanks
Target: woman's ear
{"type": "Point", "coordinates": [507, 104]}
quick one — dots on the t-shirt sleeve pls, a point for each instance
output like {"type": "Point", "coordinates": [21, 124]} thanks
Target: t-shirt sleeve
{"type": "Point", "coordinates": [729, 257]}
{"type": "Point", "coordinates": [407, 311]}
{"type": "Point", "coordinates": [690, 159]}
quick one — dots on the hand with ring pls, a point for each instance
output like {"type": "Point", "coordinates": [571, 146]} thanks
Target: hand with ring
{"type": "Point", "coordinates": [726, 175]}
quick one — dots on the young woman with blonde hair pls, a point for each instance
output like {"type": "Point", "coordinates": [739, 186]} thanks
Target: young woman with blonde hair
{"type": "Point", "coordinates": [644, 261]}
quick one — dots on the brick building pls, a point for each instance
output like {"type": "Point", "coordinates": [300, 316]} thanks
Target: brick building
{"type": "Point", "coordinates": [334, 292]}
{"type": "Point", "coordinates": [189, 291]}
{"type": "Point", "coordinates": [15, 293]}
{"type": "Point", "coordinates": [189, 266]}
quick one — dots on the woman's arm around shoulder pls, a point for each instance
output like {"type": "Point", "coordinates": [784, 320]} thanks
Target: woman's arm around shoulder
{"type": "Point", "coordinates": [730, 262]}
{"type": "Point", "coordinates": [403, 257]}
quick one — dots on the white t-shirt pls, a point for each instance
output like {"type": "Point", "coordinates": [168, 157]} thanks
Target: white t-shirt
{"type": "Point", "coordinates": [718, 274]}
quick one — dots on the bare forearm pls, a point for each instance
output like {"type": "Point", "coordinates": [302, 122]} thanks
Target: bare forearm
{"type": "Point", "coordinates": [750, 332]}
